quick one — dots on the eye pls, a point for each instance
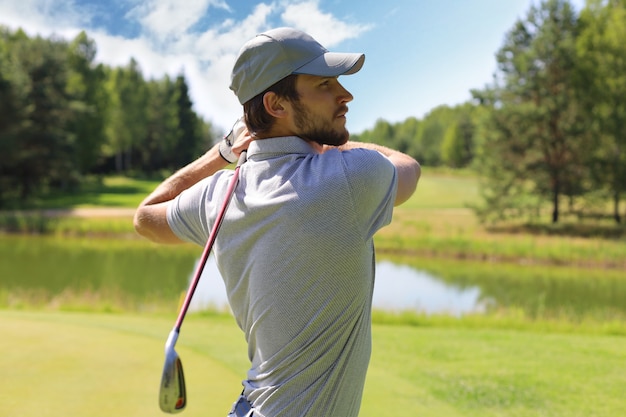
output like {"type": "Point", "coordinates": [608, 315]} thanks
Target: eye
{"type": "Point", "coordinates": [327, 81]}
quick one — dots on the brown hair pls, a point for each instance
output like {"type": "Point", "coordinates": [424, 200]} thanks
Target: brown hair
{"type": "Point", "coordinates": [256, 117]}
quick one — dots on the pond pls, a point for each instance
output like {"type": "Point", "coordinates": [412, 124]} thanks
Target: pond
{"type": "Point", "coordinates": [397, 288]}
{"type": "Point", "coordinates": [123, 275]}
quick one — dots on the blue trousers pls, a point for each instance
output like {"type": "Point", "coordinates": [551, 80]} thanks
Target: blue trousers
{"type": "Point", "coordinates": [241, 408]}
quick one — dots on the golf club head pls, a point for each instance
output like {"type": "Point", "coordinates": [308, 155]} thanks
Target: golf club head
{"type": "Point", "coordinates": [172, 393]}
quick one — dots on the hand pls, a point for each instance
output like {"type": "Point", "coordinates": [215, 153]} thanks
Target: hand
{"type": "Point", "coordinates": [242, 137]}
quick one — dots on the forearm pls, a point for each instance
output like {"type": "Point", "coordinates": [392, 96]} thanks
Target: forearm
{"type": "Point", "coordinates": [207, 165]}
{"type": "Point", "coordinates": [151, 216]}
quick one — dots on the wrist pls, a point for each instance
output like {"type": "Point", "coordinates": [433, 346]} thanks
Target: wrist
{"type": "Point", "coordinates": [225, 150]}
{"type": "Point", "coordinates": [226, 145]}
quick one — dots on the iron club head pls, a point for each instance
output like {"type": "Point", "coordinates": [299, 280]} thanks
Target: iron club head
{"type": "Point", "coordinates": [172, 393]}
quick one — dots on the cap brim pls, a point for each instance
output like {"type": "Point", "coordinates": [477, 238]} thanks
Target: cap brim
{"type": "Point", "coordinates": [332, 64]}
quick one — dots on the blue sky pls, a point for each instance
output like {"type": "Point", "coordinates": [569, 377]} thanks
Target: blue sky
{"type": "Point", "coordinates": [419, 53]}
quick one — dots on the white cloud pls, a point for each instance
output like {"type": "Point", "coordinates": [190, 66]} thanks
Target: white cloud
{"type": "Point", "coordinates": [228, 38]}
{"type": "Point", "coordinates": [172, 18]}
{"type": "Point", "coordinates": [42, 17]}
{"type": "Point", "coordinates": [324, 27]}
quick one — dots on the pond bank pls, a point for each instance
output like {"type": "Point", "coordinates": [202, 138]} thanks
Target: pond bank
{"type": "Point", "coordinates": [421, 234]}
{"type": "Point", "coordinates": [121, 275]}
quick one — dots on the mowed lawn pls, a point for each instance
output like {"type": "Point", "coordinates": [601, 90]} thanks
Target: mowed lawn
{"type": "Point", "coordinates": [104, 365]}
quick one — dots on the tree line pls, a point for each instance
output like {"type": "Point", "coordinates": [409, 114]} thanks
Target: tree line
{"type": "Point", "coordinates": [63, 118]}
{"type": "Point", "coordinates": [550, 130]}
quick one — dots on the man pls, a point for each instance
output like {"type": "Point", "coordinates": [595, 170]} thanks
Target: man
{"type": "Point", "coordinates": [295, 249]}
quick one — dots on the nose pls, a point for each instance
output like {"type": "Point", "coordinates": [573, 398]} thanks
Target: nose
{"type": "Point", "coordinates": [344, 95]}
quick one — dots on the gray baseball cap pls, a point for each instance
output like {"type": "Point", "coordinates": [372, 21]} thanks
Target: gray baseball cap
{"type": "Point", "coordinates": [273, 55]}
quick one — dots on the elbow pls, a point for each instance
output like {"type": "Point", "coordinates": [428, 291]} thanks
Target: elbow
{"type": "Point", "coordinates": [415, 174]}
{"type": "Point", "coordinates": [150, 222]}
{"type": "Point", "coordinates": [145, 225]}
{"type": "Point", "coordinates": [418, 173]}
{"type": "Point", "coordinates": [140, 224]}
{"type": "Point", "coordinates": [408, 177]}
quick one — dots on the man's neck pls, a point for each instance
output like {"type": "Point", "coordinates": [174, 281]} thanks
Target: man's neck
{"type": "Point", "coordinates": [279, 132]}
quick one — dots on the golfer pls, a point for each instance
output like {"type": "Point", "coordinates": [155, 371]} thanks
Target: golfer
{"type": "Point", "coordinates": [295, 248]}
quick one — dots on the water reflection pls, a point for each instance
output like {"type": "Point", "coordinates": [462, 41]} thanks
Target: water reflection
{"type": "Point", "coordinates": [210, 292]}
{"type": "Point", "coordinates": [400, 287]}
{"type": "Point", "coordinates": [397, 288]}
{"type": "Point", "coordinates": [125, 275]}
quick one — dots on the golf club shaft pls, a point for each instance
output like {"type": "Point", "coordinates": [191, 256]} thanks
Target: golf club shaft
{"type": "Point", "coordinates": [209, 245]}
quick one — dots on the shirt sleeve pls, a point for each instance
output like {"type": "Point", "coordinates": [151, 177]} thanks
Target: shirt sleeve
{"type": "Point", "coordinates": [191, 214]}
{"type": "Point", "coordinates": [373, 185]}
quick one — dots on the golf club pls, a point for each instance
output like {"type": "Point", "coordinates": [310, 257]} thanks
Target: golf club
{"type": "Point", "coordinates": [172, 392]}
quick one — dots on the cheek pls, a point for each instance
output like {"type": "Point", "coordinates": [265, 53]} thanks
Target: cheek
{"type": "Point", "coordinates": [323, 105]}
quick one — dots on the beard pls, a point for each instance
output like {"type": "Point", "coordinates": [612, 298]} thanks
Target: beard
{"type": "Point", "coordinates": [315, 129]}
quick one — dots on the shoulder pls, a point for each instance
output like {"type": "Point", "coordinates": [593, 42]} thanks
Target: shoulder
{"type": "Point", "coordinates": [365, 170]}
{"type": "Point", "coordinates": [364, 162]}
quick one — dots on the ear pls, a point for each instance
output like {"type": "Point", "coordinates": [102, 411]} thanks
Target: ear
{"type": "Point", "coordinates": [274, 105]}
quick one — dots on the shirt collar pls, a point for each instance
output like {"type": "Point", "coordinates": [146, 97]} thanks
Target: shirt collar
{"type": "Point", "coordinates": [271, 147]}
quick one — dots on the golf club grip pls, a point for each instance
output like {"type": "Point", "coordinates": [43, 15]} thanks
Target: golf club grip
{"type": "Point", "coordinates": [209, 245]}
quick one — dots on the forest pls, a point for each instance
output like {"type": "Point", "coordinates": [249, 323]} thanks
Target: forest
{"type": "Point", "coordinates": [65, 119]}
{"type": "Point", "coordinates": [548, 134]}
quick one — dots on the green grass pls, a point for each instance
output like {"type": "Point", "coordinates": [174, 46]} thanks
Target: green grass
{"type": "Point", "coordinates": [113, 191]}
{"type": "Point", "coordinates": [464, 372]}
{"type": "Point", "coordinates": [102, 365]}
{"type": "Point", "coordinates": [443, 190]}
{"type": "Point", "coordinates": [507, 363]}
{"type": "Point", "coordinates": [63, 364]}
{"type": "Point", "coordinates": [39, 223]}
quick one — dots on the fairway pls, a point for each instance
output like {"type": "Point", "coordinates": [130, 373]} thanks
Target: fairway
{"type": "Point", "coordinates": [103, 365]}
{"type": "Point", "coordinates": [56, 364]}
